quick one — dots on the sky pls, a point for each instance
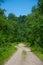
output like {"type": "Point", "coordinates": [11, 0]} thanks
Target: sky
{"type": "Point", "coordinates": [18, 7]}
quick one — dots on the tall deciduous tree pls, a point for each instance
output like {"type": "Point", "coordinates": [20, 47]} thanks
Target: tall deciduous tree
{"type": "Point", "coordinates": [12, 17]}
{"type": "Point", "coordinates": [40, 6]}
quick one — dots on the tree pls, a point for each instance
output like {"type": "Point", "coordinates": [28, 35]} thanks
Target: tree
{"type": "Point", "coordinates": [34, 9]}
{"type": "Point", "coordinates": [2, 12]}
{"type": "Point", "coordinates": [40, 6]}
{"type": "Point", "coordinates": [12, 17]}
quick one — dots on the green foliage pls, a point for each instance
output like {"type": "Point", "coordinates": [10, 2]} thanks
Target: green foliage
{"type": "Point", "coordinates": [23, 28]}
{"type": "Point", "coordinates": [6, 52]}
{"type": "Point", "coordinates": [12, 17]}
{"type": "Point", "coordinates": [40, 6]}
{"type": "Point", "coordinates": [38, 51]}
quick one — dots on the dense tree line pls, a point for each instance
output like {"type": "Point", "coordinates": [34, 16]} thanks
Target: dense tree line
{"type": "Point", "coordinates": [23, 28]}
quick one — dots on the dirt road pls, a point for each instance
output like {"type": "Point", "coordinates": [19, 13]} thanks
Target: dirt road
{"type": "Point", "coordinates": [17, 59]}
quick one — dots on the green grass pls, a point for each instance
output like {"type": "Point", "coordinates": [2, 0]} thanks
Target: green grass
{"type": "Point", "coordinates": [38, 52]}
{"type": "Point", "coordinates": [24, 54]}
{"type": "Point", "coordinates": [6, 52]}
{"type": "Point", "coordinates": [36, 49]}
{"type": "Point", "coordinates": [27, 44]}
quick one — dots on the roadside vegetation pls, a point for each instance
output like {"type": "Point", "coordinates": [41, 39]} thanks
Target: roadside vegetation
{"type": "Point", "coordinates": [6, 52]}
{"type": "Point", "coordinates": [38, 51]}
{"type": "Point", "coordinates": [24, 54]}
{"type": "Point", "coordinates": [21, 29]}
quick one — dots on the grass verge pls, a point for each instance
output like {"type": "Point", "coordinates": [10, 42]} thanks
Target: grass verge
{"type": "Point", "coordinates": [6, 52]}
{"type": "Point", "coordinates": [36, 49]}
{"type": "Point", "coordinates": [24, 54]}
{"type": "Point", "coordinates": [38, 52]}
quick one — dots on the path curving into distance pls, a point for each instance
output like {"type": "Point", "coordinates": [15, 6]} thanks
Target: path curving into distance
{"type": "Point", "coordinates": [16, 59]}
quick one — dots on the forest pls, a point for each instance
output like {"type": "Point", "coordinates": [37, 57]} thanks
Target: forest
{"type": "Point", "coordinates": [27, 29]}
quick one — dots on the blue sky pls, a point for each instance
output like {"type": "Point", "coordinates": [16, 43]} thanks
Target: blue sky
{"type": "Point", "coordinates": [18, 7]}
